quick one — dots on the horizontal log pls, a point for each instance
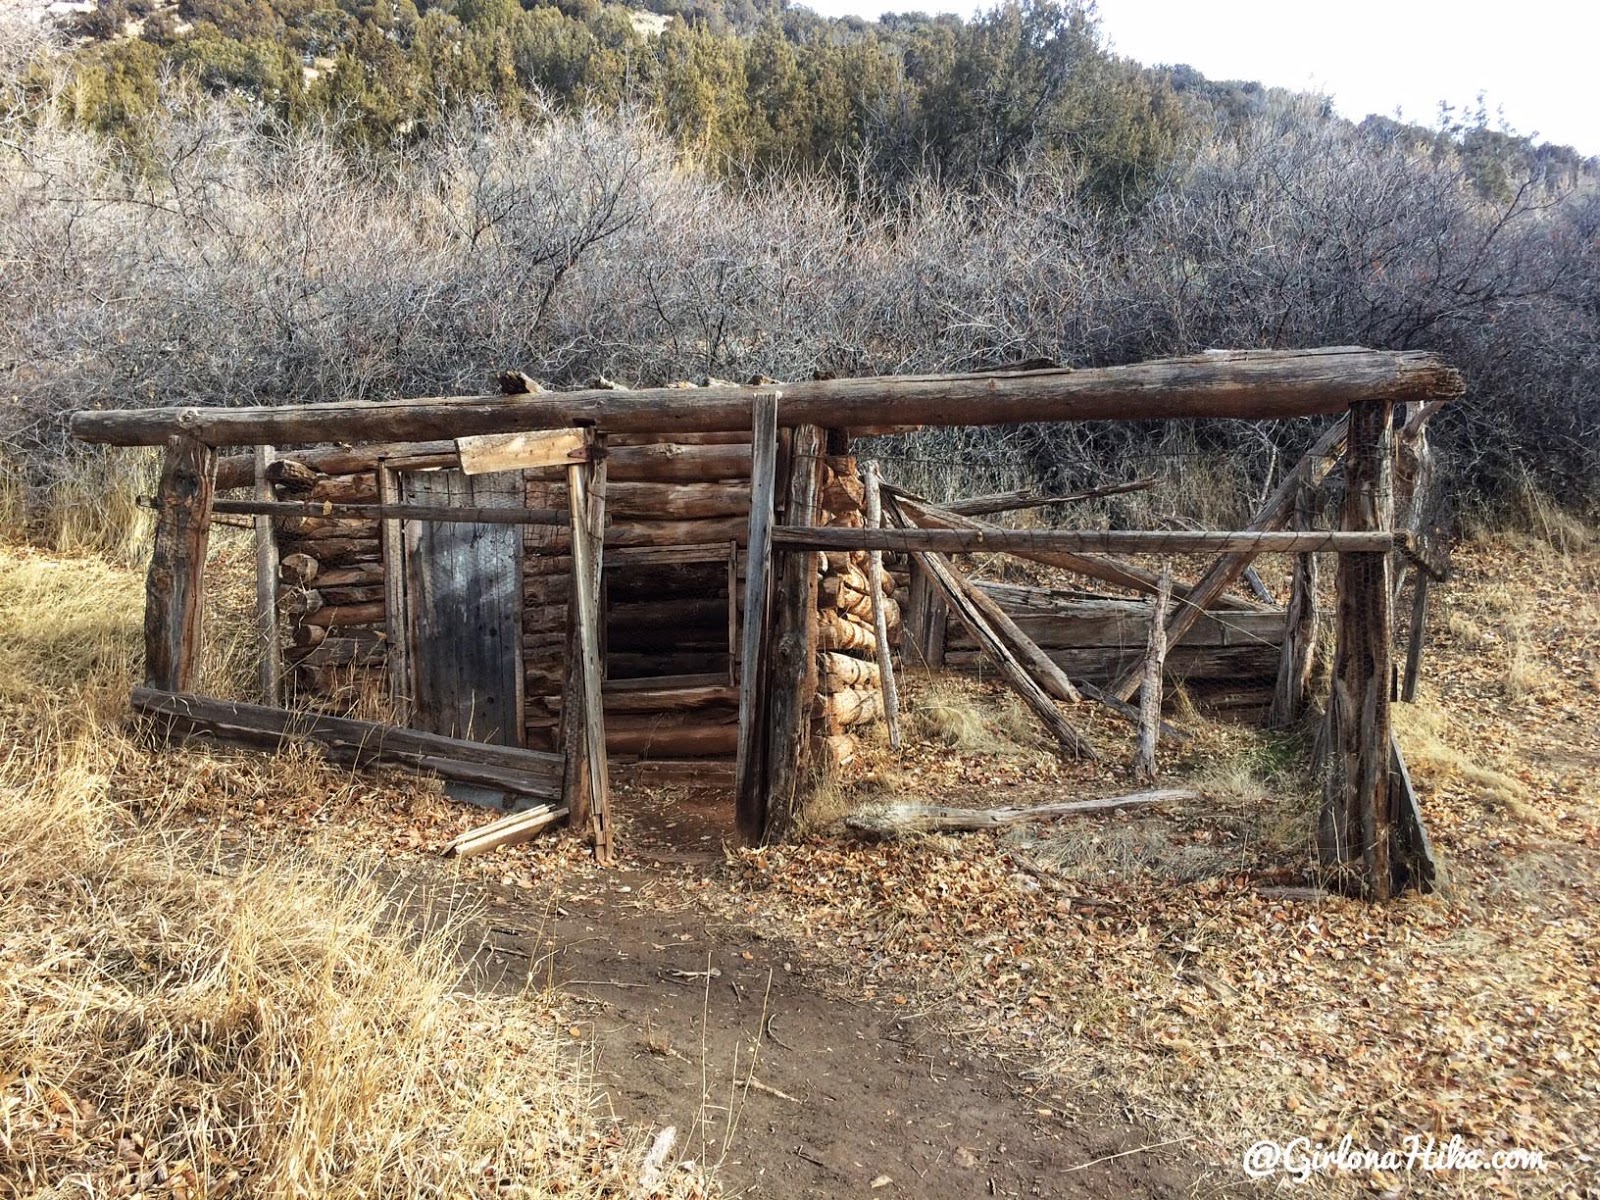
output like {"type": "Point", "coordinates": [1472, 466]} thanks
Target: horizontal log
{"type": "Point", "coordinates": [673, 741]}
{"type": "Point", "coordinates": [848, 707]}
{"type": "Point", "coordinates": [339, 652]}
{"type": "Point", "coordinates": [298, 569]}
{"type": "Point", "coordinates": [326, 515]}
{"type": "Point", "coordinates": [620, 666]}
{"type": "Point", "coordinates": [1027, 498]}
{"type": "Point", "coordinates": [839, 631]}
{"type": "Point", "coordinates": [899, 820]}
{"type": "Point", "coordinates": [1248, 384]}
{"type": "Point", "coordinates": [345, 739]}
{"type": "Point", "coordinates": [836, 671]}
{"type": "Point", "coordinates": [347, 614]}
{"type": "Point", "coordinates": [1081, 541]}
{"type": "Point", "coordinates": [1125, 624]}
{"type": "Point", "coordinates": [523, 451]}
{"type": "Point", "coordinates": [334, 552]}
{"type": "Point", "coordinates": [616, 687]}
{"type": "Point", "coordinates": [677, 501]}
{"type": "Point", "coordinates": [682, 772]}
{"type": "Point", "coordinates": [832, 752]}
{"type": "Point", "coordinates": [671, 700]}
{"type": "Point", "coordinates": [359, 575]}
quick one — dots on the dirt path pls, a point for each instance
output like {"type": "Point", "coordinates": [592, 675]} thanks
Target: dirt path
{"type": "Point", "coordinates": [678, 1006]}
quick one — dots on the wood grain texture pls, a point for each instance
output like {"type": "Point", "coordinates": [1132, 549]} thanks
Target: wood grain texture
{"type": "Point", "coordinates": [175, 582]}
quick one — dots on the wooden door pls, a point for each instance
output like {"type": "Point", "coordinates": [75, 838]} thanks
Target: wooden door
{"type": "Point", "coordinates": [463, 598]}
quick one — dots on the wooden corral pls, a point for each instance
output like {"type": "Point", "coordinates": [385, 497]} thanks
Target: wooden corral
{"type": "Point", "coordinates": [703, 585]}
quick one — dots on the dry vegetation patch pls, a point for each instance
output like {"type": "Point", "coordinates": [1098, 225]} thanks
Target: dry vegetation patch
{"type": "Point", "coordinates": [181, 1015]}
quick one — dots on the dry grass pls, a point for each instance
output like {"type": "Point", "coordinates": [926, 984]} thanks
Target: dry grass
{"type": "Point", "coordinates": [180, 1020]}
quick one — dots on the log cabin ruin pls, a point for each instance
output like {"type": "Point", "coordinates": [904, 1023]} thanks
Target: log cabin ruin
{"type": "Point", "coordinates": [704, 586]}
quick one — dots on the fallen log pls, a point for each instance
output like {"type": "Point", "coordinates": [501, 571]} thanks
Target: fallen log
{"type": "Point", "coordinates": [900, 820]}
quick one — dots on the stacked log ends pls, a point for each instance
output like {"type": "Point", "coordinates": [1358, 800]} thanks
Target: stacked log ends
{"type": "Point", "coordinates": [330, 586]}
{"type": "Point", "coordinates": [848, 686]}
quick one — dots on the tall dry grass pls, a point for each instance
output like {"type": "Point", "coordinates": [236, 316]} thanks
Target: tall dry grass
{"type": "Point", "coordinates": [176, 1021]}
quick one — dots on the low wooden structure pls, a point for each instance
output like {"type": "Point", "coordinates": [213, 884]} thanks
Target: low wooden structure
{"type": "Point", "coordinates": [671, 584]}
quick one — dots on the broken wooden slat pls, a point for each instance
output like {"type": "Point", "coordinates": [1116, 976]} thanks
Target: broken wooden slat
{"type": "Point", "coordinates": [507, 831]}
{"type": "Point", "coordinates": [345, 739]}
{"type": "Point", "coordinates": [1144, 758]}
{"type": "Point", "coordinates": [488, 453]}
{"type": "Point", "coordinates": [880, 622]}
{"type": "Point", "coordinates": [750, 800]}
{"type": "Point", "coordinates": [899, 820]}
{"type": "Point", "coordinates": [1414, 863]}
{"type": "Point", "coordinates": [176, 579]}
{"type": "Point", "coordinates": [1418, 633]}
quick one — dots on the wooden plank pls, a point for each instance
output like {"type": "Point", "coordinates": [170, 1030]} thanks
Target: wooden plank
{"type": "Point", "coordinates": [1247, 384]}
{"type": "Point", "coordinates": [463, 593]}
{"type": "Point", "coordinates": [490, 453]}
{"type": "Point", "coordinates": [659, 699]}
{"type": "Point", "coordinates": [1414, 862]}
{"type": "Point", "coordinates": [678, 501]}
{"type": "Point", "coordinates": [750, 774]}
{"type": "Point", "coordinates": [1418, 633]}
{"type": "Point", "coordinates": [1354, 828]}
{"type": "Point", "coordinates": [880, 623]}
{"type": "Point", "coordinates": [507, 831]}
{"type": "Point", "coordinates": [345, 739]}
{"type": "Point", "coordinates": [175, 582]}
{"type": "Point", "coordinates": [396, 612]}
{"type": "Point", "coordinates": [1310, 471]}
{"type": "Point", "coordinates": [1027, 498]}
{"type": "Point", "coordinates": [1236, 543]}
{"type": "Point", "coordinates": [1145, 767]}
{"type": "Point", "coordinates": [270, 672]}
{"type": "Point", "coordinates": [1122, 625]}
{"type": "Point", "coordinates": [792, 658]}
{"type": "Point", "coordinates": [588, 520]}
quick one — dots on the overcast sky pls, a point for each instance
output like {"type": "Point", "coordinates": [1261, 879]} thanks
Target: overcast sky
{"type": "Point", "coordinates": [1537, 60]}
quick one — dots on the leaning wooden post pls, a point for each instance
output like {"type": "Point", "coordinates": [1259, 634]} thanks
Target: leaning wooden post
{"type": "Point", "coordinates": [176, 580]}
{"type": "Point", "coordinates": [1155, 661]}
{"type": "Point", "coordinates": [1353, 831]}
{"type": "Point", "coordinates": [793, 668]}
{"type": "Point", "coordinates": [271, 672]}
{"type": "Point", "coordinates": [588, 525]}
{"type": "Point", "coordinates": [750, 800]}
{"type": "Point", "coordinates": [880, 617]}
{"type": "Point", "coordinates": [1418, 633]}
{"type": "Point", "coordinates": [1298, 653]}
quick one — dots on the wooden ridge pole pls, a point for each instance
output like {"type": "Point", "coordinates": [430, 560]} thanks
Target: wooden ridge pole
{"type": "Point", "coordinates": [750, 798]}
{"type": "Point", "coordinates": [175, 583]}
{"type": "Point", "coordinates": [1250, 384]}
{"type": "Point", "coordinates": [880, 619]}
{"type": "Point", "coordinates": [1354, 827]}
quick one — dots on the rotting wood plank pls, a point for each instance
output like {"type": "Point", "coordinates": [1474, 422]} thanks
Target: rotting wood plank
{"type": "Point", "coordinates": [1240, 543]}
{"type": "Point", "coordinates": [507, 831]}
{"type": "Point", "coordinates": [345, 739]}
{"type": "Point", "coordinates": [1300, 627]}
{"type": "Point", "coordinates": [880, 621]}
{"type": "Point", "coordinates": [750, 770]}
{"type": "Point", "coordinates": [175, 582]}
{"type": "Point", "coordinates": [1354, 826]}
{"type": "Point", "coordinates": [270, 663]}
{"type": "Point", "coordinates": [1248, 384]}
{"type": "Point", "coordinates": [1414, 863]}
{"type": "Point", "coordinates": [522, 451]}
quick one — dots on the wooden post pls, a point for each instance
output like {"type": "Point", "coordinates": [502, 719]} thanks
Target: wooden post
{"type": "Point", "coordinates": [176, 580]}
{"type": "Point", "coordinates": [880, 620]}
{"type": "Point", "coordinates": [1155, 660]}
{"type": "Point", "coordinates": [391, 536]}
{"type": "Point", "coordinates": [750, 799]}
{"type": "Point", "coordinates": [1299, 650]}
{"type": "Point", "coordinates": [1418, 635]}
{"type": "Point", "coordinates": [271, 664]}
{"type": "Point", "coordinates": [1353, 831]}
{"type": "Point", "coordinates": [793, 665]}
{"type": "Point", "coordinates": [588, 529]}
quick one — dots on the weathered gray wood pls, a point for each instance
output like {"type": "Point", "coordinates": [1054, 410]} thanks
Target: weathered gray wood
{"type": "Point", "coordinates": [588, 517]}
{"type": "Point", "coordinates": [396, 612]}
{"type": "Point", "coordinates": [1354, 828]}
{"type": "Point", "coordinates": [444, 514]}
{"type": "Point", "coordinates": [1120, 624]}
{"type": "Point", "coordinates": [792, 671]}
{"type": "Point", "coordinates": [347, 740]}
{"type": "Point", "coordinates": [1417, 637]}
{"type": "Point", "coordinates": [900, 820]}
{"type": "Point", "coordinates": [507, 831]}
{"type": "Point", "coordinates": [1310, 471]}
{"type": "Point", "coordinates": [1145, 767]}
{"type": "Point", "coordinates": [1300, 626]}
{"type": "Point", "coordinates": [880, 621]}
{"type": "Point", "coordinates": [270, 672]}
{"type": "Point", "coordinates": [1251, 384]}
{"type": "Point", "coordinates": [1235, 543]}
{"type": "Point", "coordinates": [1038, 664]}
{"type": "Point", "coordinates": [1414, 862]}
{"type": "Point", "coordinates": [463, 596]}
{"type": "Point", "coordinates": [750, 798]}
{"type": "Point", "coordinates": [176, 579]}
